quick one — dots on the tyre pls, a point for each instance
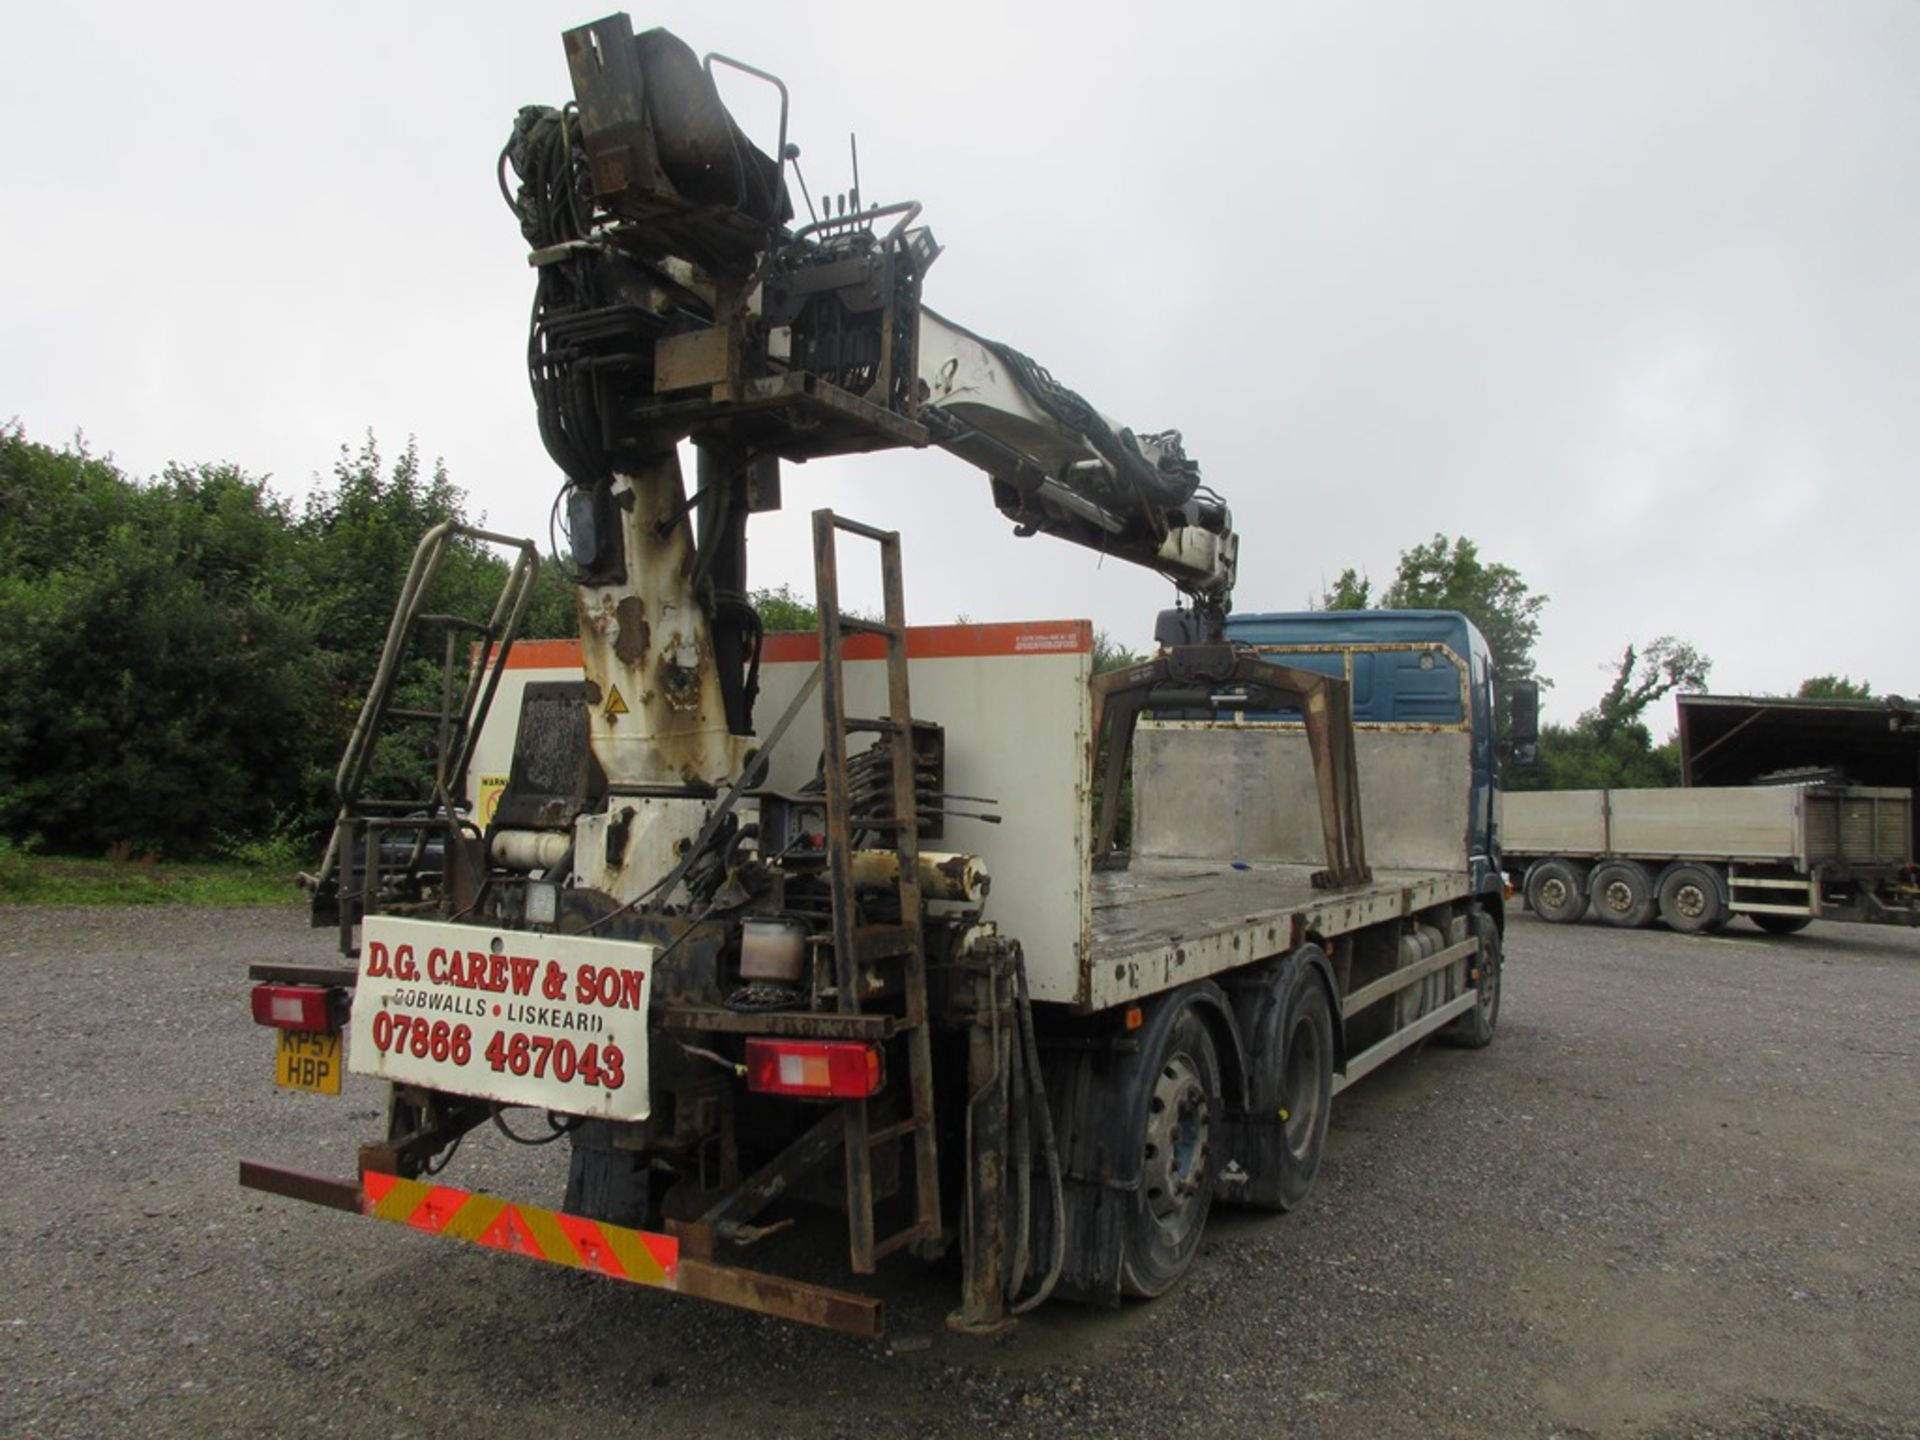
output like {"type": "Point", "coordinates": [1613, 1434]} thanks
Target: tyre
{"type": "Point", "coordinates": [1691, 899]}
{"type": "Point", "coordinates": [1623, 894]}
{"type": "Point", "coordinates": [1306, 1086]}
{"type": "Point", "coordinates": [1782, 924]}
{"type": "Point", "coordinates": [1474, 1030]}
{"type": "Point", "coordinates": [1183, 1110]}
{"type": "Point", "coordinates": [1290, 1042]}
{"type": "Point", "coordinates": [1556, 892]}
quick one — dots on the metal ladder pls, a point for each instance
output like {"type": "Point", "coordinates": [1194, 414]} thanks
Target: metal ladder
{"type": "Point", "coordinates": [854, 945]}
{"type": "Point", "coordinates": [456, 722]}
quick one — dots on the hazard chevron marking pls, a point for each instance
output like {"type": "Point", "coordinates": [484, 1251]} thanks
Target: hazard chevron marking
{"type": "Point", "coordinates": [560, 1239]}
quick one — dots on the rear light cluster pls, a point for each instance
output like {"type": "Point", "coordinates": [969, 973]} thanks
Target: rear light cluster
{"type": "Point", "coordinates": [295, 1007]}
{"type": "Point", "coordinates": [824, 1069]}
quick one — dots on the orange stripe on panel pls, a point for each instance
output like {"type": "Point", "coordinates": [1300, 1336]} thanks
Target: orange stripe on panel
{"type": "Point", "coordinates": [946, 642]}
{"type": "Point", "coordinates": [665, 1250]}
{"type": "Point", "coordinates": [544, 655]}
{"type": "Point", "coordinates": [475, 1218]}
{"type": "Point", "coordinates": [545, 1228]}
{"type": "Point", "coordinates": [641, 1258]}
{"type": "Point", "coordinates": [393, 1198]}
{"type": "Point", "coordinates": [924, 642]}
{"type": "Point", "coordinates": [592, 1245]}
{"type": "Point", "coordinates": [440, 1205]}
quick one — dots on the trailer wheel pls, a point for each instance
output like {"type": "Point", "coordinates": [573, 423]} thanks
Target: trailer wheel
{"type": "Point", "coordinates": [1184, 1110]}
{"type": "Point", "coordinates": [1623, 894]}
{"type": "Point", "coordinates": [1555, 892]}
{"type": "Point", "coordinates": [1690, 899]}
{"type": "Point", "coordinates": [1782, 924]}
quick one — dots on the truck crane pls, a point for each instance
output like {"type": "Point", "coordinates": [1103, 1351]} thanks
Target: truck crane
{"type": "Point", "coordinates": [721, 955]}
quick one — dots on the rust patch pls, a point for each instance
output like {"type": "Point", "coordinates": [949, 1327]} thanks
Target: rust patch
{"type": "Point", "coordinates": [630, 640]}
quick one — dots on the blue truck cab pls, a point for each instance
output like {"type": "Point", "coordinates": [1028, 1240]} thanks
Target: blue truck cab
{"type": "Point", "coordinates": [1412, 673]}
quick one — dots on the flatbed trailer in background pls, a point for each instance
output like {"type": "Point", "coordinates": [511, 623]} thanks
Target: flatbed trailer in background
{"type": "Point", "coordinates": [1782, 855]}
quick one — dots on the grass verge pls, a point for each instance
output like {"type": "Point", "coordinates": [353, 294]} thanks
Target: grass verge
{"type": "Point", "coordinates": [47, 880]}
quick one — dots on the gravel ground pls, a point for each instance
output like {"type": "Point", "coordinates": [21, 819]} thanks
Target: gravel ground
{"type": "Point", "coordinates": [1677, 1198]}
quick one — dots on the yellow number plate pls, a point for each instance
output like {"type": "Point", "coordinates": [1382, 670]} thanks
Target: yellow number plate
{"type": "Point", "coordinates": [308, 1060]}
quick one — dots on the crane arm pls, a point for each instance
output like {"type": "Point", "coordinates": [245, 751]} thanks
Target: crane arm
{"type": "Point", "coordinates": [1061, 467]}
{"type": "Point", "coordinates": [677, 299]}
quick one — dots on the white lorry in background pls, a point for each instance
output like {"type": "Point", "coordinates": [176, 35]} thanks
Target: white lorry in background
{"type": "Point", "coordinates": [1782, 855]}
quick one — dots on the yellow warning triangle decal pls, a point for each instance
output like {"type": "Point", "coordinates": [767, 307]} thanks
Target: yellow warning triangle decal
{"type": "Point", "coordinates": [616, 705]}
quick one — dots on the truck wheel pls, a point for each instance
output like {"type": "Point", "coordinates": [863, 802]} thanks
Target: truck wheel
{"type": "Point", "coordinates": [1782, 924]}
{"type": "Point", "coordinates": [1474, 1030]}
{"type": "Point", "coordinates": [1555, 892]}
{"type": "Point", "coordinates": [1306, 1087]}
{"type": "Point", "coordinates": [1184, 1109]}
{"type": "Point", "coordinates": [1690, 899]}
{"type": "Point", "coordinates": [1623, 894]}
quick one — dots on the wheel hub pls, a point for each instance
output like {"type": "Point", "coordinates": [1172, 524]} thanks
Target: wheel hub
{"type": "Point", "coordinates": [1553, 892]}
{"type": "Point", "coordinates": [1690, 901]}
{"type": "Point", "coordinates": [1178, 1139]}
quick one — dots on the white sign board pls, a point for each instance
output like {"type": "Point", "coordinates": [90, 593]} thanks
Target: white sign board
{"type": "Point", "coordinates": [553, 1021]}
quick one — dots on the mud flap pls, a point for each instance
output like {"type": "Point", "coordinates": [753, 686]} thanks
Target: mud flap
{"type": "Point", "coordinates": [1098, 1203]}
{"type": "Point", "coordinates": [605, 1182]}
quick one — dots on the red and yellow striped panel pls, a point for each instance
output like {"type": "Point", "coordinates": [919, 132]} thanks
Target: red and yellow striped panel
{"type": "Point", "coordinates": [636, 1255]}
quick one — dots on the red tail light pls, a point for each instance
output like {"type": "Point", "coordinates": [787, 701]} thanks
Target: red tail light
{"type": "Point", "coordinates": [836, 1069]}
{"type": "Point", "coordinates": [294, 1007]}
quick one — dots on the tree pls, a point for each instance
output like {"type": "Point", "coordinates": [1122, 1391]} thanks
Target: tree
{"type": "Point", "coordinates": [1352, 591]}
{"type": "Point", "coordinates": [1448, 574]}
{"type": "Point", "coordinates": [1610, 746]}
{"type": "Point", "coordinates": [780, 609]}
{"type": "Point", "coordinates": [186, 656]}
{"type": "Point", "coordinates": [1833, 687]}
{"type": "Point", "coordinates": [1642, 677]}
{"type": "Point", "coordinates": [160, 691]}
{"type": "Point", "coordinates": [1110, 654]}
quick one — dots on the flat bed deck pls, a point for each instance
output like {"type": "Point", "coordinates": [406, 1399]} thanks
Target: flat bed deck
{"type": "Point", "coordinates": [1163, 921]}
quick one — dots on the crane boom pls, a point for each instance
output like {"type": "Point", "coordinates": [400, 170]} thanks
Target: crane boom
{"type": "Point", "coordinates": [677, 300]}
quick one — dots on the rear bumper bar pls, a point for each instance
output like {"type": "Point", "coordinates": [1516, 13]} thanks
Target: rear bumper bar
{"type": "Point", "coordinates": [636, 1256]}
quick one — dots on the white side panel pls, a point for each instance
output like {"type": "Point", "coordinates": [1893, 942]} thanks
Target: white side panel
{"type": "Point", "coordinates": [1553, 822]}
{"type": "Point", "coordinates": [1247, 792]}
{"type": "Point", "coordinates": [1016, 732]}
{"type": "Point", "coordinates": [1749, 823]}
{"type": "Point", "coordinates": [1757, 823]}
{"type": "Point", "coordinates": [1015, 705]}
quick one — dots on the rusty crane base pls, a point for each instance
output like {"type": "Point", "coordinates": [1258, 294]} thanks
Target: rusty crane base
{"type": "Point", "coordinates": [576, 1242]}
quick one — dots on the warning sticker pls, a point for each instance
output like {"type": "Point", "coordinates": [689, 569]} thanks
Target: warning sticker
{"type": "Point", "coordinates": [616, 704]}
{"type": "Point", "coordinates": [491, 787]}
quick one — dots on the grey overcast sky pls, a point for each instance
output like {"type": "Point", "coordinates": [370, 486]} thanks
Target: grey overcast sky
{"type": "Point", "coordinates": [1627, 292]}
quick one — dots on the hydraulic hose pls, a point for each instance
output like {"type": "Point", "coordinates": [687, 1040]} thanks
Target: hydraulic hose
{"type": "Point", "coordinates": [1049, 1148]}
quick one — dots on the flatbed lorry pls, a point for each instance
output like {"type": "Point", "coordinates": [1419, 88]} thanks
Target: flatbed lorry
{"type": "Point", "coordinates": [1781, 855]}
{"type": "Point", "coordinates": [907, 952]}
